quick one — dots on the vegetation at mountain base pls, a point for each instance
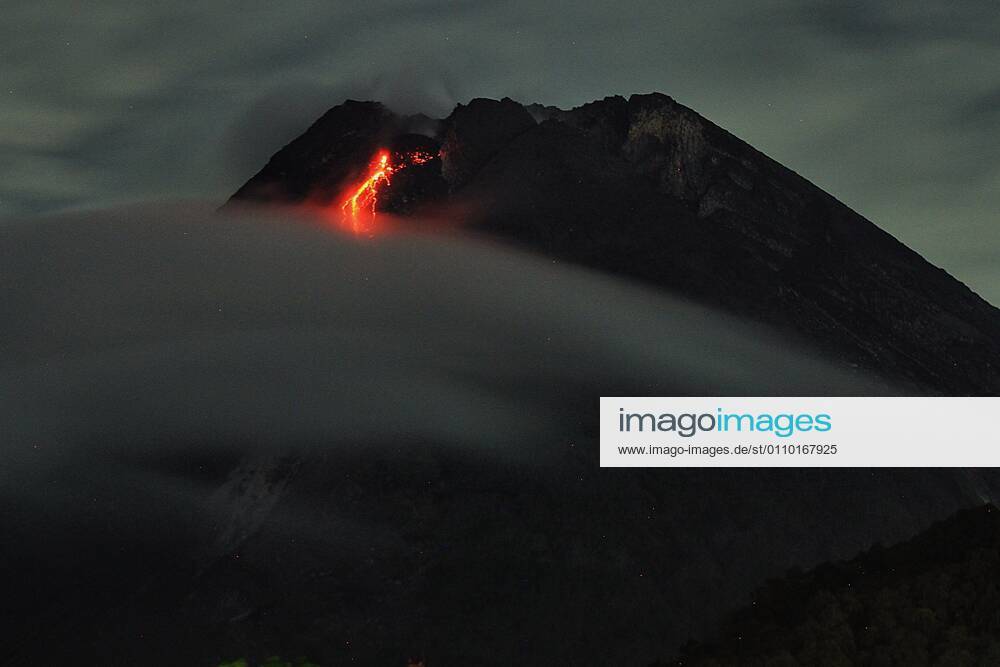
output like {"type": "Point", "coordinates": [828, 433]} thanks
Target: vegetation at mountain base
{"type": "Point", "coordinates": [931, 601]}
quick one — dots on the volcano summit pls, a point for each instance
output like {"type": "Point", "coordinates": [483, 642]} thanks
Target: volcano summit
{"type": "Point", "coordinates": [646, 188]}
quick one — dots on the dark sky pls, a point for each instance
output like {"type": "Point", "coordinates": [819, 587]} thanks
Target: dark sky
{"type": "Point", "coordinates": [894, 107]}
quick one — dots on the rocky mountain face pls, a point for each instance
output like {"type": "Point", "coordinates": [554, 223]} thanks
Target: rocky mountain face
{"type": "Point", "coordinates": [646, 188]}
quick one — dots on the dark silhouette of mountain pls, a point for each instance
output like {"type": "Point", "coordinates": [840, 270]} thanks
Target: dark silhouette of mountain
{"type": "Point", "coordinates": [647, 188]}
{"type": "Point", "coordinates": [932, 600]}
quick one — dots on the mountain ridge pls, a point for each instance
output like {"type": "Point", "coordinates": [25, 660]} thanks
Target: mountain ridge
{"type": "Point", "coordinates": [927, 600]}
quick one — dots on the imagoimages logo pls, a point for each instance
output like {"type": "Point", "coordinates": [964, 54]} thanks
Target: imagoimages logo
{"type": "Point", "coordinates": [798, 431]}
{"type": "Point", "coordinates": [689, 424]}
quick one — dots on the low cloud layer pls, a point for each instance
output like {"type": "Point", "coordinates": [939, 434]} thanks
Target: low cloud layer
{"type": "Point", "coordinates": [175, 327]}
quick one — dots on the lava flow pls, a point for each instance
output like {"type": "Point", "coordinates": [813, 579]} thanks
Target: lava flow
{"type": "Point", "coordinates": [359, 205]}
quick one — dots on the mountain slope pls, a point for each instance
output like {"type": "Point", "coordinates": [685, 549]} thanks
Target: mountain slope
{"type": "Point", "coordinates": [647, 188]}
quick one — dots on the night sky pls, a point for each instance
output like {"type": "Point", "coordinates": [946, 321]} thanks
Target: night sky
{"type": "Point", "coordinates": [892, 107]}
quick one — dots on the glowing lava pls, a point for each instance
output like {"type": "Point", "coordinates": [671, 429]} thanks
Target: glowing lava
{"type": "Point", "coordinates": [359, 205]}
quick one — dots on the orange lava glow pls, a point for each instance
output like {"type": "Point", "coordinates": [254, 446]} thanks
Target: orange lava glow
{"type": "Point", "coordinates": [358, 208]}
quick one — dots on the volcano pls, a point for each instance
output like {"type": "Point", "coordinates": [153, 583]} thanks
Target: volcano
{"type": "Point", "coordinates": [646, 188]}
{"type": "Point", "coordinates": [360, 445]}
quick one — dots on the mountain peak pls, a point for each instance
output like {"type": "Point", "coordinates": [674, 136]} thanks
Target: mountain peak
{"type": "Point", "coordinates": [646, 188]}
